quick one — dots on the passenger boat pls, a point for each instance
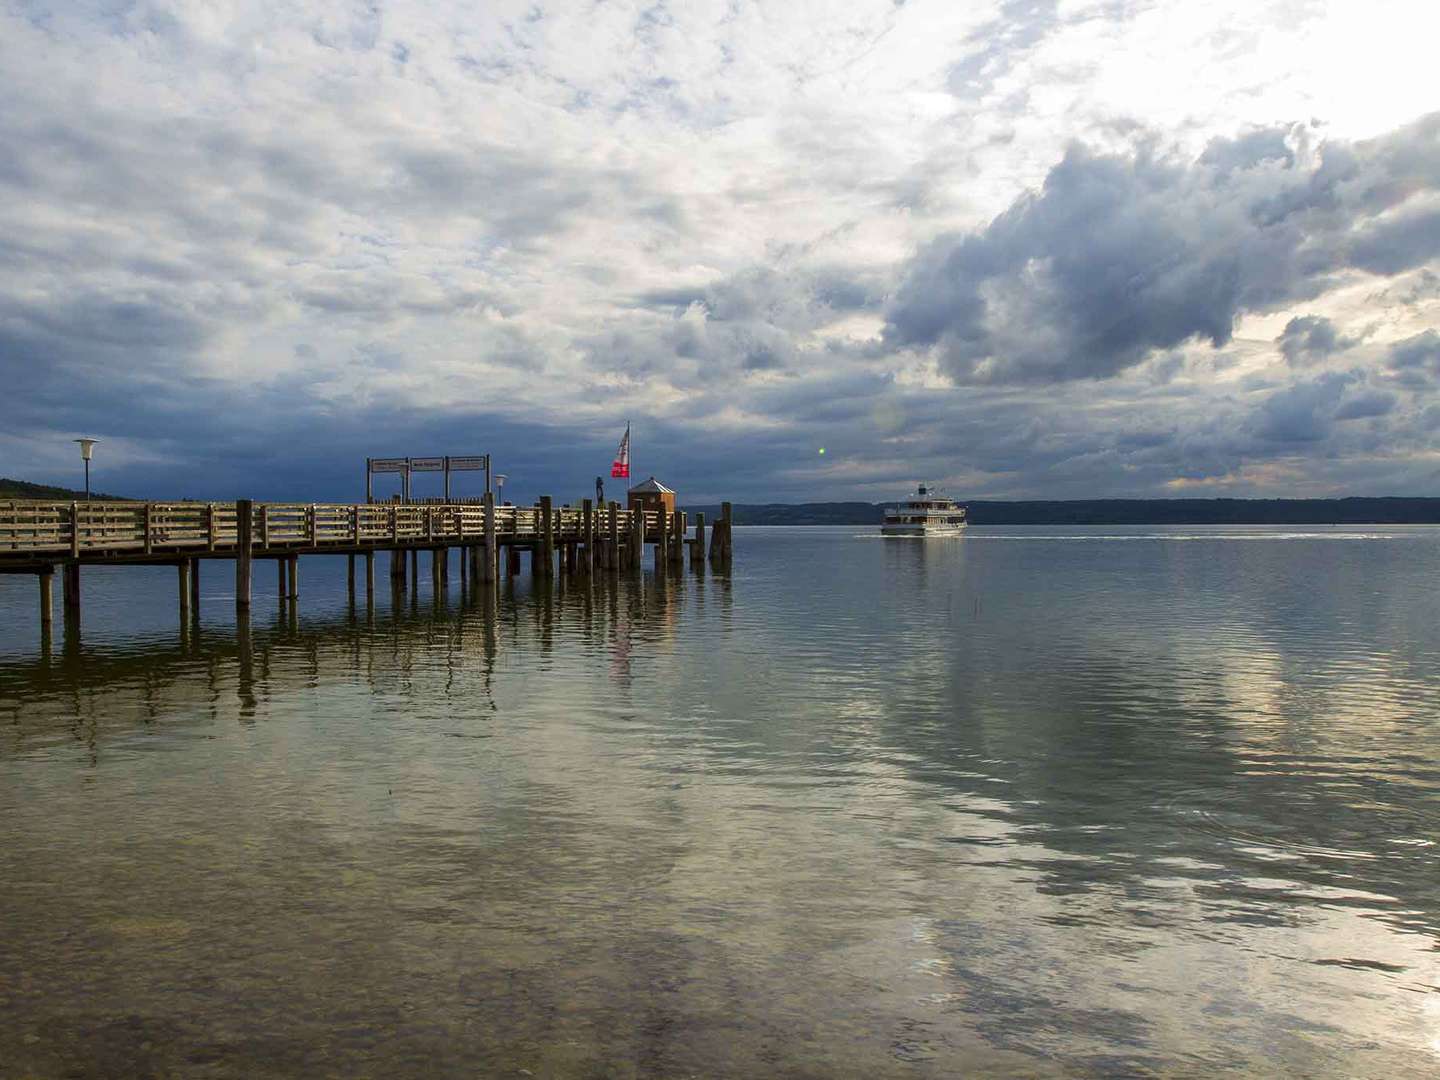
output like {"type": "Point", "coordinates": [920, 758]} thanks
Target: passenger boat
{"type": "Point", "coordinates": [926, 513]}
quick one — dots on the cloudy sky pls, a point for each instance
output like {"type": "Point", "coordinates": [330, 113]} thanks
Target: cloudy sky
{"type": "Point", "coordinates": [1021, 248]}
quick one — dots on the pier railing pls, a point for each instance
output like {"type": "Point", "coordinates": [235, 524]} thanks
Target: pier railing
{"type": "Point", "coordinates": [43, 529]}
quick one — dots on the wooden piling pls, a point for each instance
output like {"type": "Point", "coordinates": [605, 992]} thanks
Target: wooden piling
{"type": "Point", "coordinates": [547, 535]}
{"type": "Point", "coordinates": [697, 548]}
{"type": "Point", "coordinates": [488, 564]}
{"type": "Point", "coordinates": [195, 587]}
{"type": "Point", "coordinates": [720, 536]}
{"type": "Point", "coordinates": [244, 515]}
{"type": "Point", "coordinates": [292, 566]}
{"type": "Point", "coordinates": [437, 567]}
{"type": "Point", "coordinates": [677, 539]}
{"type": "Point", "coordinates": [587, 534]}
{"type": "Point", "coordinates": [369, 574]}
{"type": "Point", "coordinates": [415, 568]}
{"type": "Point", "coordinates": [183, 566]}
{"type": "Point", "coordinates": [70, 588]}
{"type": "Point", "coordinates": [47, 597]}
{"type": "Point", "coordinates": [350, 575]}
{"type": "Point", "coordinates": [637, 539]}
{"type": "Point", "coordinates": [612, 543]}
{"type": "Point", "coordinates": [282, 584]}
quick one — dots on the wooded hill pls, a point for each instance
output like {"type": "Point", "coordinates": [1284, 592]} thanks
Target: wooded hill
{"type": "Point", "coordinates": [23, 489]}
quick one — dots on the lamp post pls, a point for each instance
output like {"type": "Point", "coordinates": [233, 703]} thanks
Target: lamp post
{"type": "Point", "coordinates": [87, 447]}
{"type": "Point", "coordinates": [500, 479]}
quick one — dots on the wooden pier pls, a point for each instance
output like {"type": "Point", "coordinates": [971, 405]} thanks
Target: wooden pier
{"type": "Point", "coordinates": [39, 537]}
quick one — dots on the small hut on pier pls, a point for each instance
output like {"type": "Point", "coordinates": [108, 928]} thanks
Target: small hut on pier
{"type": "Point", "coordinates": [651, 495]}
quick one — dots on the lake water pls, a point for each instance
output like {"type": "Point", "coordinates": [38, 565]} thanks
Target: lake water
{"type": "Point", "coordinates": [1033, 801]}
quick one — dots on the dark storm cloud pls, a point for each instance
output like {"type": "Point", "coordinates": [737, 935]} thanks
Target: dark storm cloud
{"type": "Point", "coordinates": [1310, 337]}
{"type": "Point", "coordinates": [1121, 255]}
{"type": "Point", "coordinates": [1418, 355]}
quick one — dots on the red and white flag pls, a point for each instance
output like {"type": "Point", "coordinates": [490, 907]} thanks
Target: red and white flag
{"type": "Point", "coordinates": [620, 467]}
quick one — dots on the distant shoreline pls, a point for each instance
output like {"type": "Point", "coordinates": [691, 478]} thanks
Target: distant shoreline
{"type": "Point", "coordinates": [1349, 511]}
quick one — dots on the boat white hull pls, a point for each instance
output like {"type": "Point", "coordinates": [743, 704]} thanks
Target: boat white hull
{"type": "Point", "coordinates": [921, 530]}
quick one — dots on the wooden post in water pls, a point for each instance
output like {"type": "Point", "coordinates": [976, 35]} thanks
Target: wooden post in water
{"type": "Point", "coordinates": [512, 560]}
{"type": "Point", "coordinates": [280, 564]}
{"type": "Point", "coordinates": [546, 551]}
{"type": "Point", "coordinates": [369, 574]}
{"type": "Point", "coordinates": [637, 538]}
{"type": "Point", "coordinates": [244, 511]}
{"type": "Point", "coordinates": [70, 588]}
{"type": "Point", "coordinates": [662, 541]}
{"type": "Point", "coordinates": [436, 570]}
{"type": "Point", "coordinates": [293, 572]}
{"type": "Point", "coordinates": [720, 537]}
{"type": "Point", "coordinates": [677, 540]}
{"type": "Point", "coordinates": [47, 597]}
{"type": "Point", "coordinates": [587, 535]}
{"type": "Point", "coordinates": [488, 564]}
{"type": "Point", "coordinates": [612, 542]}
{"type": "Point", "coordinates": [697, 548]}
{"type": "Point", "coordinates": [397, 568]}
{"type": "Point", "coordinates": [415, 568]}
{"type": "Point", "coordinates": [184, 568]}
{"type": "Point", "coordinates": [350, 576]}
{"type": "Point", "coordinates": [195, 587]}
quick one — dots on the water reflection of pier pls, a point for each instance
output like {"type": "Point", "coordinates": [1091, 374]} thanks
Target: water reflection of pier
{"type": "Point", "coordinates": [85, 692]}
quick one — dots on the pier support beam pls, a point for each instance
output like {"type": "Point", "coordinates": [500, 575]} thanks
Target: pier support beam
{"type": "Point", "coordinates": [397, 568]}
{"type": "Point", "coordinates": [47, 597]}
{"type": "Point", "coordinates": [677, 540]}
{"type": "Point", "coordinates": [292, 571]}
{"type": "Point", "coordinates": [488, 563]}
{"type": "Point", "coordinates": [350, 576]}
{"type": "Point", "coordinates": [70, 588]}
{"type": "Point", "coordinates": [546, 551]}
{"type": "Point", "coordinates": [587, 535]}
{"type": "Point", "coordinates": [612, 538]}
{"type": "Point", "coordinates": [369, 574]}
{"type": "Point", "coordinates": [637, 540]}
{"type": "Point", "coordinates": [415, 568]}
{"type": "Point", "coordinates": [244, 530]}
{"type": "Point", "coordinates": [195, 588]}
{"type": "Point", "coordinates": [283, 587]}
{"type": "Point", "coordinates": [512, 560]}
{"type": "Point", "coordinates": [183, 567]}
{"type": "Point", "coordinates": [697, 546]}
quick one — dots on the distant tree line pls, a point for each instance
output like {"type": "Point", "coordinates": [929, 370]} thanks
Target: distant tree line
{"type": "Point", "coordinates": [1356, 511]}
{"type": "Point", "coordinates": [23, 489]}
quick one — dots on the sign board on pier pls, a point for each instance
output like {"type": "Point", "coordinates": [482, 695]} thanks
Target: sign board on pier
{"type": "Point", "coordinates": [398, 464]}
{"type": "Point", "coordinates": [427, 464]}
{"type": "Point", "coordinates": [468, 464]}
